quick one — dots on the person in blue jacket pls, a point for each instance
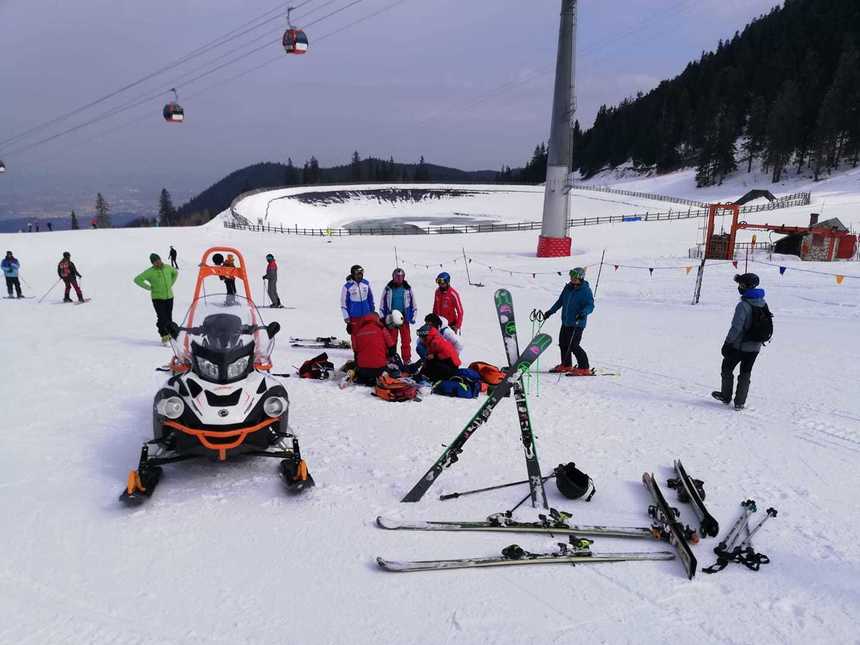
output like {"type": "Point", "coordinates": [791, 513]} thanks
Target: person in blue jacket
{"type": "Point", "coordinates": [356, 297]}
{"type": "Point", "coordinates": [737, 348]}
{"type": "Point", "coordinates": [576, 303]}
{"type": "Point", "coordinates": [397, 296]}
{"type": "Point", "coordinates": [10, 266]}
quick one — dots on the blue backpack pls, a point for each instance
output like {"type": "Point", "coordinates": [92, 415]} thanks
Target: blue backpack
{"type": "Point", "coordinates": [466, 384]}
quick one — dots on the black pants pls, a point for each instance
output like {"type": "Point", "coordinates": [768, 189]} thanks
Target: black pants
{"type": "Point", "coordinates": [746, 360]}
{"type": "Point", "coordinates": [173, 262]}
{"type": "Point", "coordinates": [367, 375]}
{"type": "Point", "coordinates": [163, 314]}
{"type": "Point", "coordinates": [13, 282]}
{"type": "Point", "coordinates": [568, 342]}
{"type": "Point", "coordinates": [438, 370]}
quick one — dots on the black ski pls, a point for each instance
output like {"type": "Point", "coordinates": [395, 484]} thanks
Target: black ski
{"type": "Point", "coordinates": [691, 491]}
{"type": "Point", "coordinates": [666, 519]}
{"type": "Point", "coordinates": [452, 452]}
{"type": "Point", "coordinates": [508, 327]}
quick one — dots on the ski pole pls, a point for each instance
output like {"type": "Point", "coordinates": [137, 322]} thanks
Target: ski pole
{"type": "Point", "coordinates": [489, 488]}
{"type": "Point", "coordinates": [771, 512]}
{"type": "Point", "coordinates": [27, 284]}
{"type": "Point", "coordinates": [734, 533]}
{"type": "Point", "coordinates": [50, 290]}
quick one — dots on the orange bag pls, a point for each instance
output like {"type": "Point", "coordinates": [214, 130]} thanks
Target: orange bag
{"type": "Point", "coordinates": [490, 374]}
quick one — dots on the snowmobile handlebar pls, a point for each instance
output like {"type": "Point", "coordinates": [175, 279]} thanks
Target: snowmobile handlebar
{"type": "Point", "coordinates": [271, 329]}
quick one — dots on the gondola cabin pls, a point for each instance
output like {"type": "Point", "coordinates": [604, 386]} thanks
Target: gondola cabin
{"type": "Point", "coordinates": [173, 113]}
{"type": "Point", "coordinates": [2, 167]}
{"type": "Point", "coordinates": [295, 41]}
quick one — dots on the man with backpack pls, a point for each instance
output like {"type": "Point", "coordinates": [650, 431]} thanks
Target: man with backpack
{"type": "Point", "coordinates": [68, 273]}
{"type": "Point", "coordinates": [751, 327]}
{"type": "Point", "coordinates": [398, 296]}
{"type": "Point", "coordinates": [10, 267]}
{"type": "Point", "coordinates": [172, 255]}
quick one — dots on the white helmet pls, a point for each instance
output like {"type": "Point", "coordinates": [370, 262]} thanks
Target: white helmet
{"type": "Point", "coordinates": [394, 319]}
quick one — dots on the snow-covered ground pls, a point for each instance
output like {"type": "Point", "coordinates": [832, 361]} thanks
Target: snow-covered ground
{"type": "Point", "coordinates": [221, 554]}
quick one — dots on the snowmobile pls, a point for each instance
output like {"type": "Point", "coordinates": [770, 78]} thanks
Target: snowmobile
{"type": "Point", "coordinates": [221, 400]}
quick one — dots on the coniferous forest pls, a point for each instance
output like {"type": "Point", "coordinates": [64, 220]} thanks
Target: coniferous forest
{"type": "Point", "coordinates": [785, 92]}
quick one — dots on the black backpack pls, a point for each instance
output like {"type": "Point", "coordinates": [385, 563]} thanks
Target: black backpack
{"type": "Point", "coordinates": [761, 325]}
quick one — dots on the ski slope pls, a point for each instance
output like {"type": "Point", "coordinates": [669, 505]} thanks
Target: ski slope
{"type": "Point", "coordinates": [221, 555]}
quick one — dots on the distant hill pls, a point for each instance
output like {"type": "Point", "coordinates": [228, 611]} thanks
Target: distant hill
{"type": "Point", "coordinates": [218, 196]}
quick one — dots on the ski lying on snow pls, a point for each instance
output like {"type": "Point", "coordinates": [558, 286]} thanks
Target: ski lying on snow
{"type": "Point", "coordinates": [691, 491]}
{"type": "Point", "coordinates": [451, 453]}
{"type": "Point", "coordinates": [514, 555]}
{"type": "Point", "coordinates": [547, 526]}
{"type": "Point", "coordinates": [665, 517]}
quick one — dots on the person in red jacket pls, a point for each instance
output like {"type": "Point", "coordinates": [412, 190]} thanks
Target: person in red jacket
{"type": "Point", "coordinates": [373, 344]}
{"type": "Point", "coordinates": [447, 302]}
{"type": "Point", "coordinates": [442, 359]}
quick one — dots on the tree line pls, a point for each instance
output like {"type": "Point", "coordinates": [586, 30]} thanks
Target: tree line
{"type": "Point", "coordinates": [784, 92]}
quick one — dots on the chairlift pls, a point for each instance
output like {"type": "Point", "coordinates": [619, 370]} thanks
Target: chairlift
{"type": "Point", "coordinates": [295, 41]}
{"type": "Point", "coordinates": [173, 112]}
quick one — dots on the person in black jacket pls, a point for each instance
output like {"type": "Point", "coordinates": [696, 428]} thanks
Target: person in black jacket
{"type": "Point", "coordinates": [68, 273]}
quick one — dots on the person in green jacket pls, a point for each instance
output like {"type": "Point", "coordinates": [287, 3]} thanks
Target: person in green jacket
{"type": "Point", "coordinates": [158, 280]}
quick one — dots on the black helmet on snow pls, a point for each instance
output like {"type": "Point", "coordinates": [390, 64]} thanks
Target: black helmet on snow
{"type": "Point", "coordinates": [747, 280]}
{"type": "Point", "coordinates": [572, 482]}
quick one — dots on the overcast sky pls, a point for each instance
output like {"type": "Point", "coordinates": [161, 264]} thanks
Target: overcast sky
{"type": "Point", "coordinates": [465, 83]}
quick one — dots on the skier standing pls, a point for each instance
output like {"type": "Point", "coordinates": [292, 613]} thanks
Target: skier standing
{"type": "Point", "coordinates": [446, 302]}
{"type": "Point", "coordinates": [10, 266]}
{"type": "Point", "coordinates": [173, 256]}
{"type": "Point", "coordinates": [442, 360]}
{"type": "Point", "coordinates": [271, 279]}
{"type": "Point", "coordinates": [159, 280]}
{"type": "Point", "coordinates": [356, 297]}
{"type": "Point", "coordinates": [738, 347]}
{"type": "Point", "coordinates": [68, 273]}
{"type": "Point", "coordinates": [398, 296]}
{"type": "Point", "coordinates": [576, 302]}
{"type": "Point", "coordinates": [229, 283]}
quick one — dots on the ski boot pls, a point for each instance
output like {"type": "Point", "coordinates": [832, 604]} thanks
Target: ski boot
{"type": "Point", "coordinates": [580, 371]}
{"type": "Point", "coordinates": [561, 369]}
{"type": "Point", "coordinates": [724, 394]}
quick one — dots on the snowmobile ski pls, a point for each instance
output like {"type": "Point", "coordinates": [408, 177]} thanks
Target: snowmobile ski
{"type": "Point", "coordinates": [508, 327]}
{"type": "Point", "coordinates": [665, 520]}
{"type": "Point", "coordinates": [500, 524]}
{"type": "Point", "coordinates": [577, 552]}
{"type": "Point", "coordinates": [452, 452]}
{"type": "Point", "coordinates": [691, 491]}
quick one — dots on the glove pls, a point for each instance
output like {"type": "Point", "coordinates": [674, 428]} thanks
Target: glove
{"type": "Point", "coordinates": [579, 319]}
{"type": "Point", "coordinates": [265, 277]}
{"type": "Point", "coordinates": [726, 350]}
{"type": "Point", "coordinates": [349, 328]}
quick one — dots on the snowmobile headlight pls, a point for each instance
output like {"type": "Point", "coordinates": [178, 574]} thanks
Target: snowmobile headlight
{"type": "Point", "coordinates": [237, 367]}
{"type": "Point", "coordinates": [172, 407]}
{"type": "Point", "coordinates": [208, 369]}
{"type": "Point", "coordinates": [275, 406]}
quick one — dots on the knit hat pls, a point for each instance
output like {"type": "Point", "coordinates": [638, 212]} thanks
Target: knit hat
{"type": "Point", "coordinates": [577, 272]}
{"type": "Point", "coordinates": [153, 257]}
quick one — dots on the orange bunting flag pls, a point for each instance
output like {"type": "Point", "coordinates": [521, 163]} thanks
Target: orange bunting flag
{"type": "Point", "coordinates": [839, 279]}
{"type": "Point", "coordinates": [688, 269]}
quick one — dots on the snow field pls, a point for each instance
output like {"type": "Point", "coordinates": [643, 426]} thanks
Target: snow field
{"type": "Point", "coordinates": [221, 554]}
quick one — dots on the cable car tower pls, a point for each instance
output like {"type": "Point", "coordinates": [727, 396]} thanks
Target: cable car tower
{"type": "Point", "coordinates": [173, 112]}
{"type": "Point", "coordinates": [554, 240]}
{"type": "Point", "coordinates": [295, 41]}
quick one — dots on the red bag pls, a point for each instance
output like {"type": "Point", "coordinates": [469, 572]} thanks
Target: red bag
{"type": "Point", "coordinates": [393, 389]}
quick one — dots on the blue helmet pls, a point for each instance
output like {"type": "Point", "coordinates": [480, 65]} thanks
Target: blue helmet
{"type": "Point", "coordinates": [443, 277]}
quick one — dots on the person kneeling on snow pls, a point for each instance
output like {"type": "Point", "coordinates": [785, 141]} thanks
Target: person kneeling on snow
{"type": "Point", "coordinates": [373, 344]}
{"type": "Point", "coordinates": [442, 360]}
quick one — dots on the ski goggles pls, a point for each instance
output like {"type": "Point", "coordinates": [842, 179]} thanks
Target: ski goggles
{"type": "Point", "coordinates": [441, 281]}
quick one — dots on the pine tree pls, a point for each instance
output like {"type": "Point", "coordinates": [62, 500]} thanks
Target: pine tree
{"type": "Point", "coordinates": [355, 167]}
{"type": "Point", "coordinates": [755, 130]}
{"type": "Point", "coordinates": [74, 225]}
{"type": "Point", "coordinates": [102, 212]}
{"type": "Point", "coordinates": [783, 128]}
{"type": "Point", "coordinates": [166, 211]}
{"type": "Point", "coordinates": [422, 173]}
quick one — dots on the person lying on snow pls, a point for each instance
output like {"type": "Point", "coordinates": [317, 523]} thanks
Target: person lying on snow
{"type": "Point", "coordinates": [442, 360]}
{"type": "Point", "coordinates": [374, 345]}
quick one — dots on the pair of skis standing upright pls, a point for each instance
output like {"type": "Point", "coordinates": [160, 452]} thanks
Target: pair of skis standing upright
{"type": "Point", "coordinates": [665, 524]}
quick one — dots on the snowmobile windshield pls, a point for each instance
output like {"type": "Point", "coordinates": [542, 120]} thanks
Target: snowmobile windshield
{"type": "Point", "coordinates": [223, 338]}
